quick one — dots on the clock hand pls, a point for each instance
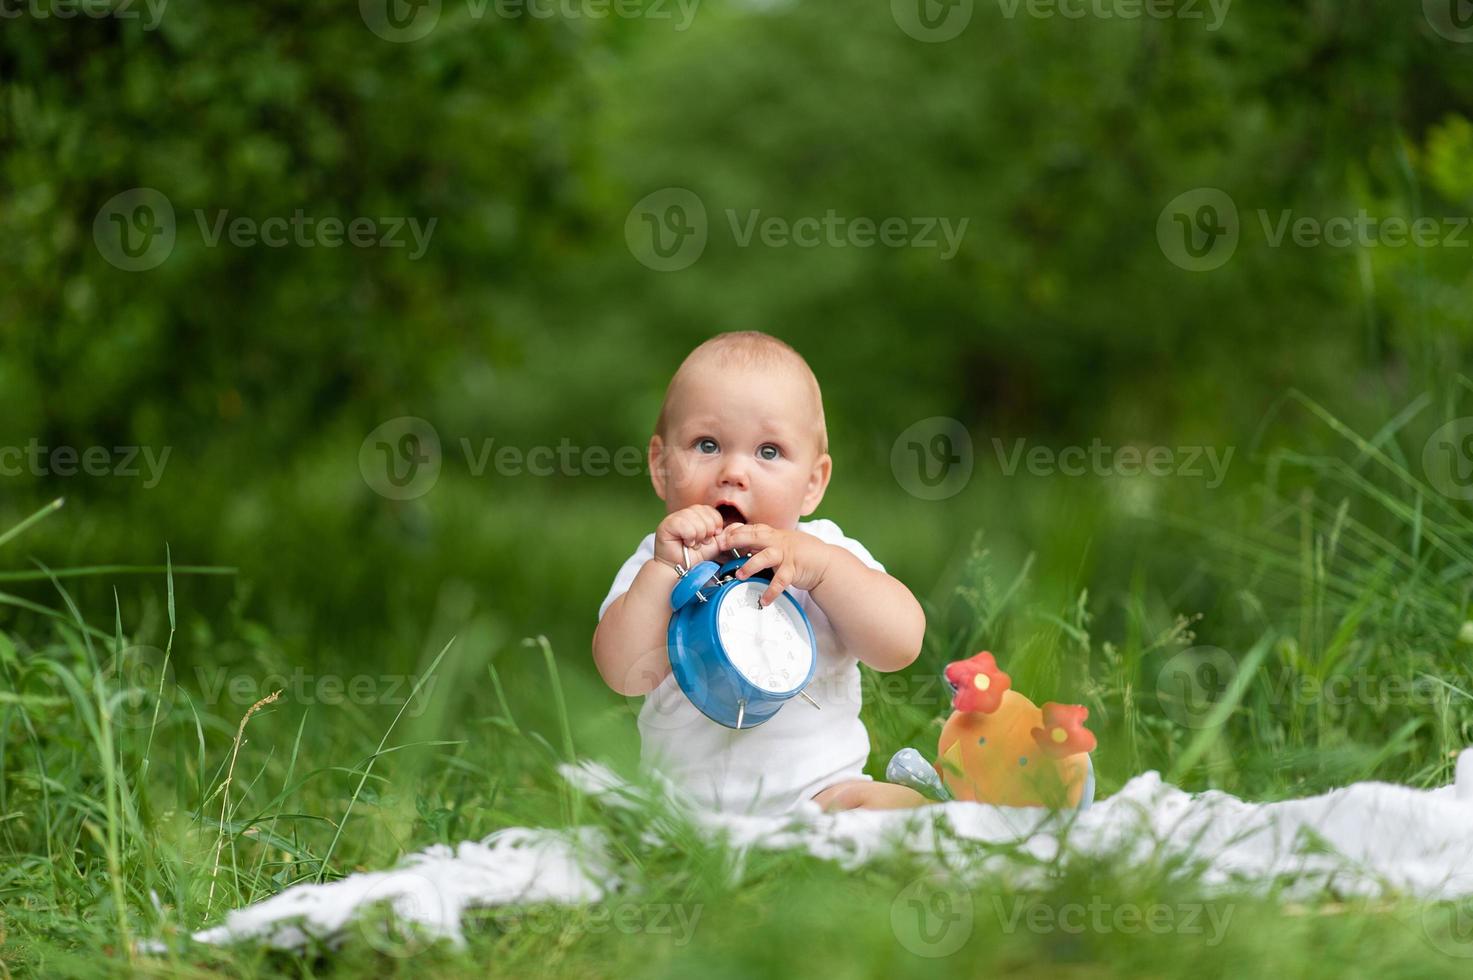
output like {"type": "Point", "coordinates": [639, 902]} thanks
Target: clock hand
{"type": "Point", "coordinates": [766, 638]}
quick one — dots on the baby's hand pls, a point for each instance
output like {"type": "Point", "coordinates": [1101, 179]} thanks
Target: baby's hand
{"type": "Point", "coordinates": [797, 559]}
{"type": "Point", "coordinates": [695, 527]}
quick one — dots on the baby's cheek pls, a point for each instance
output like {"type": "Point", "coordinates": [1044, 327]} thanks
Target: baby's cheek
{"type": "Point", "coordinates": [682, 475]}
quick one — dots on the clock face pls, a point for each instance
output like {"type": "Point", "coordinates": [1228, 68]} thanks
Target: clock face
{"type": "Point", "coordinates": [770, 647]}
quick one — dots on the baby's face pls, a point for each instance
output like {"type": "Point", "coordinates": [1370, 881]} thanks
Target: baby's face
{"type": "Point", "coordinates": [745, 441]}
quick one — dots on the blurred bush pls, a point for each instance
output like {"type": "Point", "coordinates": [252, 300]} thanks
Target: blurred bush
{"type": "Point", "coordinates": [528, 320]}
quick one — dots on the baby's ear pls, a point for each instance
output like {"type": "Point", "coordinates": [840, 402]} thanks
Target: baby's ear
{"type": "Point", "coordinates": [818, 483]}
{"type": "Point", "coordinates": [657, 465]}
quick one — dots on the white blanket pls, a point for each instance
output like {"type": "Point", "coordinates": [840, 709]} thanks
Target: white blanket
{"type": "Point", "coordinates": [1365, 839]}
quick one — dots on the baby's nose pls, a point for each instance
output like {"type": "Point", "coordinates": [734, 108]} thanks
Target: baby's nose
{"type": "Point", "coordinates": [733, 472]}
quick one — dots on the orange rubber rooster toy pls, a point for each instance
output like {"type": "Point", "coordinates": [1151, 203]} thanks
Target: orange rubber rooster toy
{"type": "Point", "coordinates": [999, 747]}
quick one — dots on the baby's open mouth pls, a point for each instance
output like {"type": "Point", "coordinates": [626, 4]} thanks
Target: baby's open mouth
{"type": "Point", "coordinates": [730, 515]}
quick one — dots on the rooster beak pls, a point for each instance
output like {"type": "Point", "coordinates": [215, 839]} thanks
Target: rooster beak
{"type": "Point", "coordinates": [953, 687]}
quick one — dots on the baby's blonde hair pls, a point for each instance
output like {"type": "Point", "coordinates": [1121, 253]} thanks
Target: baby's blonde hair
{"type": "Point", "coordinates": [746, 348]}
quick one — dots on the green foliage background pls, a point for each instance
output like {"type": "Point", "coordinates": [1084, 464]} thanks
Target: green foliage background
{"type": "Point", "coordinates": [528, 321]}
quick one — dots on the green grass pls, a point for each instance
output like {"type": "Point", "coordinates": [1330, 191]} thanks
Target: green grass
{"type": "Point", "coordinates": [138, 800]}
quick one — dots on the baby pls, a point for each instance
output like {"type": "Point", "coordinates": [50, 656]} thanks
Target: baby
{"type": "Point", "coordinates": [739, 454]}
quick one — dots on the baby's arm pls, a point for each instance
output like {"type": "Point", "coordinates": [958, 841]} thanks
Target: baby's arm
{"type": "Point", "coordinates": [874, 616]}
{"type": "Point", "coordinates": [629, 644]}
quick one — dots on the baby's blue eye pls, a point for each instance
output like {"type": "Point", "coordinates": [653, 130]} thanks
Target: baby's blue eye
{"type": "Point", "coordinates": [769, 451]}
{"type": "Point", "coordinates": [706, 445]}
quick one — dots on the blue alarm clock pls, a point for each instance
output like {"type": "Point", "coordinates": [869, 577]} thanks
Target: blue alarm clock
{"type": "Point", "coordinates": [737, 661]}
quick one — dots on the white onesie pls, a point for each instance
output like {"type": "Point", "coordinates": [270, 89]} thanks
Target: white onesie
{"type": "Point", "coordinates": [772, 768]}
